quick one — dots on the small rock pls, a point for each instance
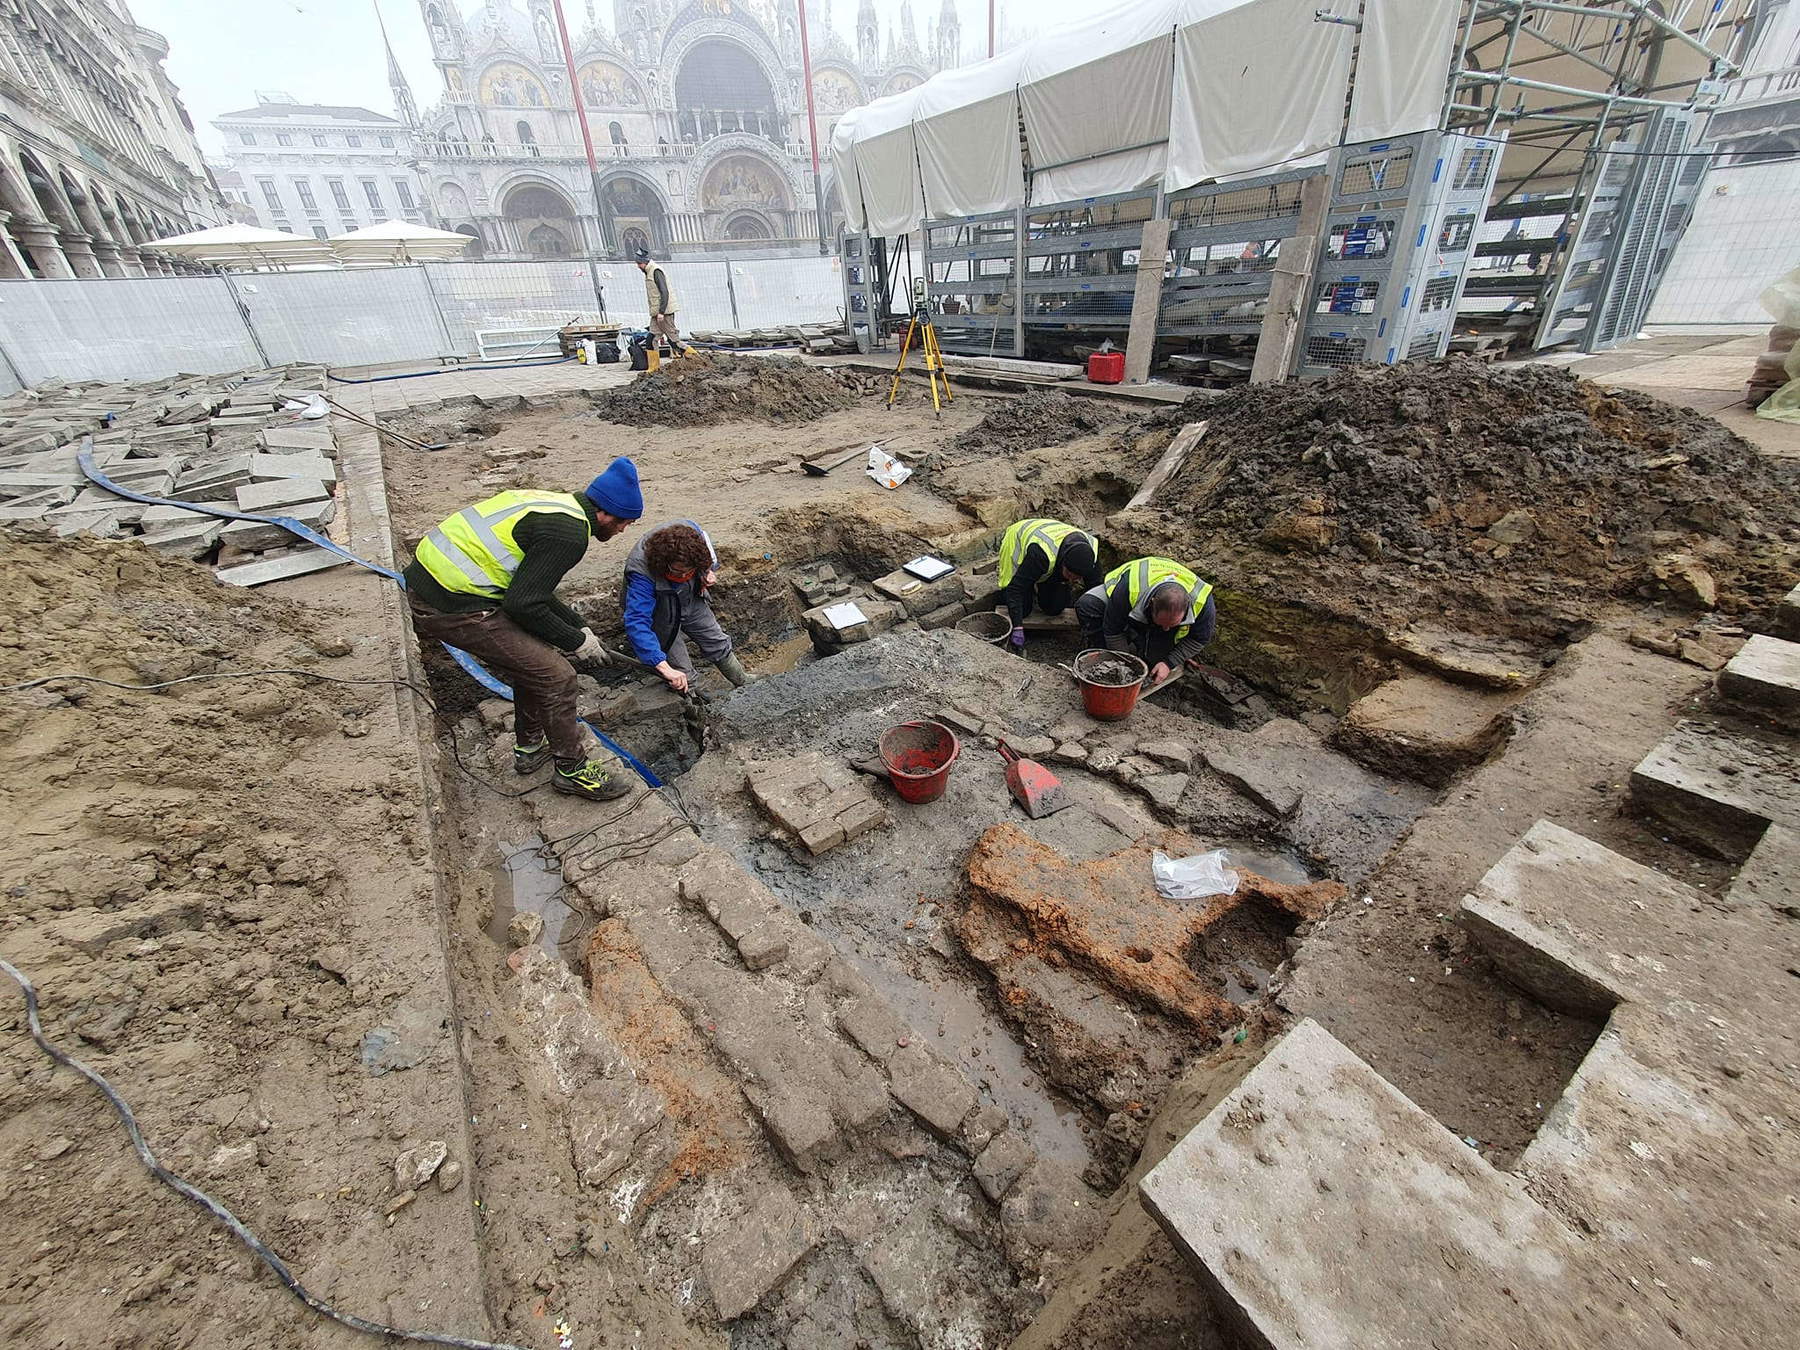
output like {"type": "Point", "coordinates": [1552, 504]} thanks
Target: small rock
{"type": "Point", "coordinates": [416, 1166]}
{"type": "Point", "coordinates": [1704, 657]}
{"type": "Point", "coordinates": [232, 1158]}
{"type": "Point", "coordinates": [310, 1210]}
{"type": "Point", "coordinates": [1685, 579]}
{"type": "Point", "coordinates": [1001, 1164]}
{"type": "Point", "coordinates": [399, 1202]}
{"type": "Point", "coordinates": [334, 961]}
{"type": "Point", "coordinates": [1069, 752]}
{"type": "Point", "coordinates": [522, 930]}
{"type": "Point", "coordinates": [1103, 760]}
{"type": "Point", "coordinates": [1032, 747]}
{"type": "Point", "coordinates": [1515, 527]}
{"type": "Point", "coordinates": [1172, 753]}
{"type": "Point", "coordinates": [449, 1176]}
{"type": "Point", "coordinates": [54, 1148]}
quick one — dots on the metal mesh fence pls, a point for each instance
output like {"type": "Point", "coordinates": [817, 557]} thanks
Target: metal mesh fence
{"type": "Point", "coordinates": [114, 328]}
{"type": "Point", "coordinates": [122, 329]}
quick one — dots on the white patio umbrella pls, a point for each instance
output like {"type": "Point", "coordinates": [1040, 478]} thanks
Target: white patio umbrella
{"type": "Point", "coordinates": [397, 241]}
{"type": "Point", "coordinates": [245, 246]}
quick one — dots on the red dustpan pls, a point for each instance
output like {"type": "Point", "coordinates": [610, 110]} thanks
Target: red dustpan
{"type": "Point", "coordinates": [1033, 786]}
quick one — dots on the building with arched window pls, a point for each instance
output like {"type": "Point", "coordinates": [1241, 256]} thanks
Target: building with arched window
{"type": "Point", "coordinates": [697, 111]}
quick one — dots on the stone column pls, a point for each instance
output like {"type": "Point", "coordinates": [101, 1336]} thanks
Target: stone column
{"type": "Point", "coordinates": [80, 250]}
{"type": "Point", "coordinates": [132, 261]}
{"type": "Point", "coordinates": [38, 240]}
{"type": "Point", "coordinates": [12, 262]}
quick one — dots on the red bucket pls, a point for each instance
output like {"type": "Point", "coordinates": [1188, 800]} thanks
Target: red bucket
{"type": "Point", "coordinates": [1107, 700]}
{"type": "Point", "coordinates": [918, 756]}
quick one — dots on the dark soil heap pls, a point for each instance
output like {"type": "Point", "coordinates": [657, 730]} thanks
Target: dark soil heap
{"type": "Point", "coordinates": [1487, 485]}
{"type": "Point", "coordinates": [705, 390]}
{"type": "Point", "coordinates": [1031, 421]}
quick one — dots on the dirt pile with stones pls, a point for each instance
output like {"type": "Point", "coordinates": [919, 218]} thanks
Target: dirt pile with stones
{"type": "Point", "coordinates": [1452, 487]}
{"type": "Point", "coordinates": [705, 390]}
{"type": "Point", "coordinates": [1042, 417]}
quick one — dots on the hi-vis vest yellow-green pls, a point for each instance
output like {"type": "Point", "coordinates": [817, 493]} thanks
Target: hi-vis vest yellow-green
{"type": "Point", "coordinates": [1145, 574]}
{"type": "Point", "coordinates": [473, 553]}
{"type": "Point", "coordinates": [1021, 535]}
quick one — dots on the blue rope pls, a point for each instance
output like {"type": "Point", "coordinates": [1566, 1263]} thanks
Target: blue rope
{"type": "Point", "coordinates": [479, 673]}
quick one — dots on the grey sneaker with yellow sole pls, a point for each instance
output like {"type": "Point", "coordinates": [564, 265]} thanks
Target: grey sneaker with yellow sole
{"type": "Point", "coordinates": [591, 780]}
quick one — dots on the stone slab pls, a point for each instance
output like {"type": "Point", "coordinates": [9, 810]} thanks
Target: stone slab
{"type": "Point", "coordinates": [1324, 1209]}
{"type": "Point", "coordinates": [269, 496]}
{"type": "Point", "coordinates": [1424, 728]}
{"type": "Point", "coordinates": [1787, 616]}
{"type": "Point", "coordinates": [254, 534]}
{"type": "Point", "coordinates": [756, 1252]}
{"type": "Point", "coordinates": [1490, 663]}
{"type": "Point", "coordinates": [1765, 674]}
{"type": "Point", "coordinates": [264, 468]}
{"type": "Point", "coordinates": [1717, 789]}
{"type": "Point", "coordinates": [298, 564]}
{"type": "Point", "coordinates": [1771, 874]}
{"type": "Point", "coordinates": [190, 541]}
{"type": "Point", "coordinates": [298, 440]}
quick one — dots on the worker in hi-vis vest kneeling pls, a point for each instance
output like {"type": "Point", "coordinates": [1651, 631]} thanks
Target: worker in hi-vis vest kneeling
{"type": "Point", "coordinates": [485, 580]}
{"type": "Point", "coordinates": [1153, 608]}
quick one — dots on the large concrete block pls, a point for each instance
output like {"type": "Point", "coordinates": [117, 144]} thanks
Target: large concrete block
{"type": "Point", "coordinates": [1324, 1209]}
{"type": "Point", "coordinates": [1717, 789]}
{"type": "Point", "coordinates": [1787, 616]}
{"type": "Point", "coordinates": [1765, 674]}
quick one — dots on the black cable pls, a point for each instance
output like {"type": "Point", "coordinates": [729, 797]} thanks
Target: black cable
{"type": "Point", "coordinates": [212, 1206]}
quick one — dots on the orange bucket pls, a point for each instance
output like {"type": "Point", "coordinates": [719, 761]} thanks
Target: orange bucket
{"type": "Point", "coordinates": [1109, 700]}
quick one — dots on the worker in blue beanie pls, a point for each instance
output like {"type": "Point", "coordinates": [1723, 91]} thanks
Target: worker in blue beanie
{"type": "Point", "coordinates": [485, 580]}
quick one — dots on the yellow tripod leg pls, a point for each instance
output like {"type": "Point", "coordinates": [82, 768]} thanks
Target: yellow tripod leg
{"type": "Point", "coordinates": [932, 365]}
{"type": "Point", "coordinates": [943, 372]}
{"type": "Point", "coordinates": [905, 346]}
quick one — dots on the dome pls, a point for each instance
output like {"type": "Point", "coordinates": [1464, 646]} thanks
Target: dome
{"type": "Point", "coordinates": [500, 22]}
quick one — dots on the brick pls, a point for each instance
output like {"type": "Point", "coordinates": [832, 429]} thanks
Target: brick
{"type": "Point", "coordinates": [1002, 1163]}
{"type": "Point", "coordinates": [862, 817]}
{"type": "Point", "coordinates": [762, 946]}
{"type": "Point", "coordinates": [872, 1025]}
{"type": "Point", "coordinates": [822, 835]}
{"type": "Point", "coordinates": [931, 1089]}
{"type": "Point", "coordinates": [800, 1126]}
{"type": "Point", "coordinates": [756, 1252]}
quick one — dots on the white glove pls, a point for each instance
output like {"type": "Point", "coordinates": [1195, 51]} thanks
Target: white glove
{"type": "Point", "coordinates": [591, 651]}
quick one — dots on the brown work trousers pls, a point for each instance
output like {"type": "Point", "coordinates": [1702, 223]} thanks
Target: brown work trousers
{"type": "Point", "coordinates": [542, 679]}
{"type": "Point", "coordinates": [663, 326]}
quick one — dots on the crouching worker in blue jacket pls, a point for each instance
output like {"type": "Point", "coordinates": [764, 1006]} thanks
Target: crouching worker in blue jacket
{"type": "Point", "coordinates": [667, 577]}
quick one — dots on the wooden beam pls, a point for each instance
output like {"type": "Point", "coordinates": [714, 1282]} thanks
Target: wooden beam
{"type": "Point", "coordinates": [1278, 345]}
{"type": "Point", "coordinates": [1169, 465]}
{"type": "Point", "coordinates": [1146, 300]}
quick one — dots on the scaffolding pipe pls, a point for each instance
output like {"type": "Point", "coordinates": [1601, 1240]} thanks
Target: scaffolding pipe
{"type": "Point", "coordinates": [1462, 53]}
{"type": "Point", "coordinates": [1582, 96]}
{"type": "Point", "coordinates": [1512, 43]}
{"type": "Point", "coordinates": [1640, 9]}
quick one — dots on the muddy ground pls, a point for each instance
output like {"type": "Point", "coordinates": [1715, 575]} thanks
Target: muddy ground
{"type": "Point", "coordinates": [185, 862]}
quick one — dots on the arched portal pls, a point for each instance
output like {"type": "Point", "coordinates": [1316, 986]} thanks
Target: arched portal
{"type": "Point", "coordinates": [634, 209]}
{"type": "Point", "coordinates": [475, 249]}
{"type": "Point", "coordinates": [749, 225]}
{"type": "Point", "coordinates": [722, 87]}
{"type": "Point", "coordinates": [544, 220]}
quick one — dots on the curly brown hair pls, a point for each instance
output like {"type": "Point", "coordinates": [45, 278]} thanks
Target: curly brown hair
{"type": "Point", "coordinates": [676, 547]}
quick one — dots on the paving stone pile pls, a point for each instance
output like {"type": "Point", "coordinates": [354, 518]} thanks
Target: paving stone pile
{"type": "Point", "coordinates": [231, 441]}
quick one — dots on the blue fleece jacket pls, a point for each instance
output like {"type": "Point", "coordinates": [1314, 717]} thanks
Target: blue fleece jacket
{"type": "Point", "coordinates": [640, 607]}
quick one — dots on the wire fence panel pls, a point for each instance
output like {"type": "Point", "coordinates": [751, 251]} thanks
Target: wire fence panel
{"type": "Point", "coordinates": [774, 291]}
{"type": "Point", "coordinates": [360, 318]}
{"type": "Point", "coordinates": [521, 299]}
{"type": "Point", "coordinates": [122, 328]}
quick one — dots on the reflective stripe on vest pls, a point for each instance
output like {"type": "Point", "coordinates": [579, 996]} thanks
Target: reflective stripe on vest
{"type": "Point", "coordinates": [1145, 574]}
{"type": "Point", "coordinates": [473, 552]}
{"type": "Point", "coordinates": [1021, 535]}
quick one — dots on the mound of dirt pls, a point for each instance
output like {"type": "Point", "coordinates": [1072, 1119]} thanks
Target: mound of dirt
{"type": "Point", "coordinates": [1031, 421]}
{"type": "Point", "coordinates": [1478, 485]}
{"type": "Point", "coordinates": [705, 390]}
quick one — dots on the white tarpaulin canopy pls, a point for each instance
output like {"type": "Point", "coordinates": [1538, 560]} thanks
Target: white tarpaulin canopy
{"type": "Point", "coordinates": [1169, 92]}
{"type": "Point", "coordinates": [245, 246]}
{"type": "Point", "coordinates": [396, 241]}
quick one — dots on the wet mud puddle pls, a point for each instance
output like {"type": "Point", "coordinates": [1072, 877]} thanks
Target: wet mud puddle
{"type": "Point", "coordinates": [527, 880]}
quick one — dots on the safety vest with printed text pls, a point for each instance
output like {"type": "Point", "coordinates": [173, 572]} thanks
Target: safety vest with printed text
{"type": "Point", "coordinates": [1021, 535]}
{"type": "Point", "coordinates": [1144, 575]}
{"type": "Point", "coordinates": [473, 552]}
{"type": "Point", "coordinates": [651, 295]}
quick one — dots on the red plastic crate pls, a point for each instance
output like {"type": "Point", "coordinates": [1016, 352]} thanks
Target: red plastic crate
{"type": "Point", "coordinates": [1106, 368]}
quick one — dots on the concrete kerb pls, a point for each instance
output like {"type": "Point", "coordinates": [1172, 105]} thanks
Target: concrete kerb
{"type": "Point", "coordinates": [370, 535]}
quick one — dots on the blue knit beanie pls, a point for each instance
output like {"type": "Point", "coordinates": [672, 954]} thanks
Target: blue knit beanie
{"type": "Point", "coordinates": [616, 491]}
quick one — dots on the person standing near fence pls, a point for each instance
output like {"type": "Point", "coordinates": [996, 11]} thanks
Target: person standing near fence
{"type": "Point", "coordinates": [660, 296]}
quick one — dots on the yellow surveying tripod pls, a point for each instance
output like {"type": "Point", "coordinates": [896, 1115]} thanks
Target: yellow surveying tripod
{"type": "Point", "coordinates": [921, 328]}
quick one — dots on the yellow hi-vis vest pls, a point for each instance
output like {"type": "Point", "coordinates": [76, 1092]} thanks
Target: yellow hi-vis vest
{"type": "Point", "coordinates": [1145, 574]}
{"type": "Point", "coordinates": [1022, 534]}
{"type": "Point", "coordinates": [473, 553]}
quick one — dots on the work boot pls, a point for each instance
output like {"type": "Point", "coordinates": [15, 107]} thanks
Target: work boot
{"type": "Point", "coordinates": [530, 758]}
{"type": "Point", "coordinates": [733, 669]}
{"type": "Point", "coordinates": [590, 780]}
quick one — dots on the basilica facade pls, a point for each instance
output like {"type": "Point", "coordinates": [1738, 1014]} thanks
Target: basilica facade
{"type": "Point", "coordinates": [697, 109]}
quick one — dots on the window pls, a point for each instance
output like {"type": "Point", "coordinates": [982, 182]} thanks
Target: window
{"type": "Point", "coordinates": [387, 142]}
{"type": "Point", "coordinates": [319, 232]}
{"type": "Point", "coordinates": [282, 138]}
{"type": "Point", "coordinates": [338, 195]}
{"type": "Point", "coordinates": [404, 193]}
{"type": "Point", "coordinates": [270, 195]}
{"type": "Point", "coordinates": [372, 192]}
{"type": "Point", "coordinates": [353, 141]}
{"type": "Point", "coordinates": [246, 138]}
{"type": "Point", "coordinates": [318, 140]}
{"type": "Point", "coordinates": [306, 195]}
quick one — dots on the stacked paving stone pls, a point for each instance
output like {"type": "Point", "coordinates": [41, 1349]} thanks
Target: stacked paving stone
{"type": "Point", "coordinates": [897, 600]}
{"type": "Point", "coordinates": [219, 440]}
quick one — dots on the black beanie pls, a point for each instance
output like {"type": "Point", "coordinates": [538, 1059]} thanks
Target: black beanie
{"type": "Point", "coordinates": [1078, 557]}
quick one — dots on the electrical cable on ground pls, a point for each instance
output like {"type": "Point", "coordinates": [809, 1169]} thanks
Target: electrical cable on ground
{"type": "Point", "coordinates": [218, 1211]}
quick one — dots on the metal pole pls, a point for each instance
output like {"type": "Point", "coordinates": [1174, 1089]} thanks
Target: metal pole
{"type": "Point", "coordinates": [587, 141]}
{"type": "Point", "coordinates": [1462, 50]}
{"type": "Point", "coordinates": [244, 314]}
{"type": "Point", "coordinates": [991, 4]}
{"type": "Point", "coordinates": [812, 131]}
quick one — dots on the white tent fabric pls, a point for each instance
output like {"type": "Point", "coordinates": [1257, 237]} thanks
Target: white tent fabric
{"type": "Point", "coordinates": [967, 128]}
{"type": "Point", "coordinates": [244, 246]}
{"type": "Point", "coordinates": [1259, 86]}
{"type": "Point", "coordinates": [1403, 67]}
{"type": "Point", "coordinates": [1169, 91]}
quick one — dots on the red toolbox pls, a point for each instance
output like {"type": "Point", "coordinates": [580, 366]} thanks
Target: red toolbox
{"type": "Point", "coordinates": [1106, 368]}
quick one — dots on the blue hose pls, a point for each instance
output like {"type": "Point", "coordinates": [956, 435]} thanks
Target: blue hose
{"type": "Point", "coordinates": [479, 673]}
{"type": "Point", "coordinates": [449, 370]}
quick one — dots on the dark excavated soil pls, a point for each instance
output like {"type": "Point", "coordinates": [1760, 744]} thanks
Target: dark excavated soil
{"type": "Point", "coordinates": [705, 390]}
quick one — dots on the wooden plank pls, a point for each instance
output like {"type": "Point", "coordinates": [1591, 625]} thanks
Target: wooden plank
{"type": "Point", "coordinates": [1169, 465]}
{"type": "Point", "coordinates": [1175, 677]}
{"type": "Point", "coordinates": [1146, 299]}
{"type": "Point", "coordinates": [1278, 345]}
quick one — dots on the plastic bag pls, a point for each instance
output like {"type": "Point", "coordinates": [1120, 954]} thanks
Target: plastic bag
{"type": "Point", "coordinates": [1782, 300]}
{"type": "Point", "coordinates": [885, 469]}
{"type": "Point", "coordinates": [1192, 878]}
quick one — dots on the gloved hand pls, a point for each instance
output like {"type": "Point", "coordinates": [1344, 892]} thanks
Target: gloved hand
{"type": "Point", "coordinates": [591, 651]}
{"type": "Point", "coordinates": [1018, 640]}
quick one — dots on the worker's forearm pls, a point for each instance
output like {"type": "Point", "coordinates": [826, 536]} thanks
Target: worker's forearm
{"type": "Point", "coordinates": [1016, 595]}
